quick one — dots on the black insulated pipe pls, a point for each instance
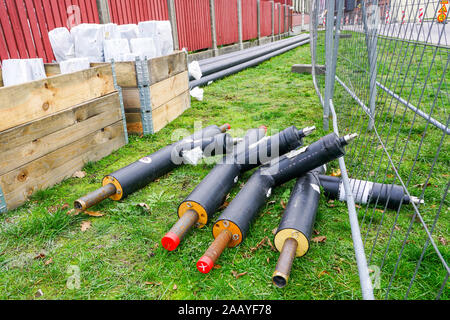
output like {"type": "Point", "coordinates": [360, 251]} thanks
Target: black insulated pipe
{"type": "Point", "coordinates": [364, 192]}
{"type": "Point", "coordinates": [297, 224]}
{"type": "Point", "coordinates": [237, 217]}
{"type": "Point", "coordinates": [221, 63]}
{"type": "Point", "coordinates": [235, 69]}
{"type": "Point", "coordinates": [137, 175]}
{"type": "Point", "coordinates": [210, 194]}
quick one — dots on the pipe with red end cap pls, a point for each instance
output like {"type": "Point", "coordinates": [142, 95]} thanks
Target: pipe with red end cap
{"type": "Point", "coordinates": [211, 193]}
{"type": "Point", "coordinates": [233, 224]}
{"type": "Point", "coordinates": [127, 180]}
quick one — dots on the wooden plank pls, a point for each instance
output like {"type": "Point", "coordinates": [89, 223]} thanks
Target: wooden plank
{"type": "Point", "coordinates": [49, 134]}
{"type": "Point", "coordinates": [52, 69]}
{"type": "Point", "coordinates": [160, 69]}
{"type": "Point", "coordinates": [161, 92]}
{"type": "Point", "coordinates": [170, 111]}
{"type": "Point", "coordinates": [47, 171]}
{"type": "Point", "coordinates": [37, 99]}
{"type": "Point", "coordinates": [164, 91]}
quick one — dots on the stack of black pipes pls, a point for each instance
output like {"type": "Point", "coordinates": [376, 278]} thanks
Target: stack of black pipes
{"type": "Point", "coordinates": [231, 63]}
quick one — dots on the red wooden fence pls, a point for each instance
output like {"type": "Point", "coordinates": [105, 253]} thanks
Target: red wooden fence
{"type": "Point", "coordinates": [24, 24]}
{"type": "Point", "coordinates": [194, 25]}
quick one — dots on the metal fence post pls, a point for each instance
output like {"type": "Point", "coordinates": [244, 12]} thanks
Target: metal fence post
{"type": "Point", "coordinates": [371, 42]}
{"type": "Point", "coordinates": [212, 12]}
{"type": "Point", "coordinates": [143, 79]}
{"type": "Point", "coordinates": [3, 207]}
{"type": "Point", "coordinates": [173, 21]}
{"type": "Point", "coordinates": [328, 65]}
{"type": "Point", "coordinates": [286, 19]}
{"type": "Point", "coordinates": [239, 12]}
{"type": "Point", "coordinates": [303, 14]}
{"type": "Point", "coordinates": [273, 19]}
{"type": "Point", "coordinates": [103, 11]}
{"type": "Point", "coordinates": [122, 107]}
{"type": "Point", "coordinates": [279, 21]}
{"type": "Point", "coordinates": [258, 14]}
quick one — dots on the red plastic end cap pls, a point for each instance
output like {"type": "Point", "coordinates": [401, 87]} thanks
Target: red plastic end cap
{"type": "Point", "coordinates": [205, 264]}
{"type": "Point", "coordinates": [263, 127]}
{"type": "Point", "coordinates": [170, 241]}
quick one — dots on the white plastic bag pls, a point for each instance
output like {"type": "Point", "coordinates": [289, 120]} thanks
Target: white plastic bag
{"type": "Point", "coordinates": [62, 44]}
{"type": "Point", "coordinates": [111, 31]}
{"type": "Point", "coordinates": [129, 32]}
{"type": "Point", "coordinates": [197, 93]}
{"type": "Point", "coordinates": [144, 47]}
{"type": "Point", "coordinates": [74, 65]}
{"type": "Point", "coordinates": [164, 29]}
{"type": "Point", "coordinates": [195, 70]}
{"type": "Point", "coordinates": [149, 29]}
{"type": "Point", "coordinates": [88, 38]}
{"type": "Point", "coordinates": [18, 71]}
{"type": "Point", "coordinates": [116, 49]}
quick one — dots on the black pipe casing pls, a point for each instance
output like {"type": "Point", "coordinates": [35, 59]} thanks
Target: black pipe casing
{"type": "Point", "coordinates": [365, 192]}
{"type": "Point", "coordinates": [301, 211]}
{"type": "Point", "coordinates": [210, 194]}
{"type": "Point", "coordinates": [140, 173]}
{"type": "Point", "coordinates": [243, 209]}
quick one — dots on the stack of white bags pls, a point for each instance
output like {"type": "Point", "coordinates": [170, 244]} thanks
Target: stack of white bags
{"type": "Point", "coordinates": [100, 43]}
{"type": "Point", "coordinates": [89, 43]}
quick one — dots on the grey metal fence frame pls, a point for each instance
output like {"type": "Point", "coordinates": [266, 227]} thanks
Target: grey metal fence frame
{"type": "Point", "coordinates": [387, 79]}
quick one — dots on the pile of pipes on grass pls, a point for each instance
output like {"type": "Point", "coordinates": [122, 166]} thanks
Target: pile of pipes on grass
{"type": "Point", "coordinates": [206, 71]}
{"type": "Point", "coordinates": [276, 159]}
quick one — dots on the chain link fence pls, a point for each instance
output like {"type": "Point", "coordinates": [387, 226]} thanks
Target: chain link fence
{"type": "Point", "coordinates": [381, 70]}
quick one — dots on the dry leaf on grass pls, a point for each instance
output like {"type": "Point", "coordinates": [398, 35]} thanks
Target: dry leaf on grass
{"type": "Point", "coordinates": [144, 206]}
{"type": "Point", "coordinates": [39, 294]}
{"type": "Point", "coordinates": [93, 213]}
{"type": "Point", "coordinates": [224, 205]}
{"type": "Point", "coordinates": [85, 225]}
{"type": "Point", "coordinates": [319, 239]}
{"type": "Point", "coordinates": [259, 245]}
{"type": "Point", "coordinates": [48, 261]}
{"type": "Point", "coordinates": [79, 174]}
{"type": "Point", "coordinates": [283, 204]}
{"type": "Point", "coordinates": [175, 287]}
{"type": "Point", "coordinates": [238, 275]}
{"type": "Point", "coordinates": [442, 240]}
{"type": "Point", "coordinates": [40, 256]}
{"type": "Point", "coordinates": [324, 272]}
{"type": "Point", "coordinates": [152, 283]}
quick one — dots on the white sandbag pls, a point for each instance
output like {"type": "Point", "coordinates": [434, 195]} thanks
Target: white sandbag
{"type": "Point", "coordinates": [74, 65]}
{"type": "Point", "coordinates": [18, 71]}
{"type": "Point", "coordinates": [195, 70]}
{"type": "Point", "coordinates": [129, 31]}
{"type": "Point", "coordinates": [111, 31]}
{"type": "Point", "coordinates": [88, 38]}
{"type": "Point", "coordinates": [164, 29]}
{"type": "Point", "coordinates": [149, 29]}
{"type": "Point", "coordinates": [144, 47]}
{"type": "Point", "coordinates": [116, 49]}
{"type": "Point", "coordinates": [197, 93]}
{"type": "Point", "coordinates": [62, 44]}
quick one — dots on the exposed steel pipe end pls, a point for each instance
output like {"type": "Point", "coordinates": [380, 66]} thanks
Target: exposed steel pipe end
{"type": "Point", "coordinates": [205, 264]}
{"type": "Point", "coordinates": [170, 241]}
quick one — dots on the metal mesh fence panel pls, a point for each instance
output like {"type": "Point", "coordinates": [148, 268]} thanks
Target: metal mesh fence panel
{"type": "Point", "coordinates": [387, 77]}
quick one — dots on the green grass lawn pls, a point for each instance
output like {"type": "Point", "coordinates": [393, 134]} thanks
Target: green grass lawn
{"type": "Point", "coordinates": [120, 256]}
